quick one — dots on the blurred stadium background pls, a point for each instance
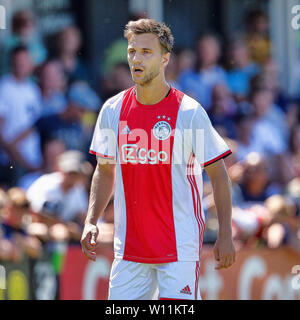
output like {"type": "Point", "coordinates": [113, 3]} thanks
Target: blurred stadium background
{"type": "Point", "coordinates": [60, 60]}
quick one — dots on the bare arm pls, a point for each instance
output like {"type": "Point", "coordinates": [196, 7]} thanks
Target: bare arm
{"type": "Point", "coordinates": [224, 250]}
{"type": "Point", "coordinates": [101, 190]}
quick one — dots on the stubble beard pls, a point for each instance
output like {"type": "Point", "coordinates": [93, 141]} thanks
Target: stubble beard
{"type": "Point", "coordinates": [148, 78]}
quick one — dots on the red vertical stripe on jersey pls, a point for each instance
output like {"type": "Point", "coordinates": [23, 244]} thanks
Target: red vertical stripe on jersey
{"type": "Point", "coordinates": [197, 272]}
{"type": "Point", "coordinates": [196, 200]}
{"type": "Point", "coordinates": [147, 177]}
{"type": "Point", "coordinates": [199, 201]}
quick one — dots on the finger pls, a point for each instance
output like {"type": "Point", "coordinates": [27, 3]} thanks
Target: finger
{"type": "Point", "coordinates": [218, 267]}
{"type": "Point", "coordinates": [86, 243]}
{"type": "Point", "coordinates": [93, 238]}
{"type": "Point", "coordinates": [96, 245]}
{"type": "Point", "coordinates": [232, 260]}
{"type": "Point", "coordinates": [220, 264]}
{"type": "Point", "coordinates": [90, 240]}
{"type": "Point", "coordinates": [216, 253]}
{"type": "Point", "coordinates": [228, 261]}
{"type": "Point", "coordinates": [90, 254]}
{"type": "Point", "coordinates": [223, 261]}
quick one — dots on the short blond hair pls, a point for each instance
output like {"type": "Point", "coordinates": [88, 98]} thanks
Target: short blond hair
{"type": "Point", "coordinates": [162, 32]}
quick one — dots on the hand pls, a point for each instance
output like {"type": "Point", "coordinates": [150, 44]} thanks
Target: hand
{"type": "Point", "coordinates": [89, 240]}
{"type": "Point", "coordinates": [224, 252]}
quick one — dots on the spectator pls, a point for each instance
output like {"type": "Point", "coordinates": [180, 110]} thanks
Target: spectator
{"type": "Point", "coordinates": [67, 50]}
{"type": "Point", "coordinates": [67, 125]}
{"type": "Point", "coordinates": [256, 36]}
{"type": "Point", "coordinates": [248, 224]}
{"type": "Point", "coordinates": [13, 226]}
{"type": "Point", "coordinates": [270, 129]}
{"type": "Point", "coordinates": [50, 151]}
{"type": "Point", "coordinates": [293, 161]}
{"type": "Point", "coordinates": [244, 124]}
{"type": "Point", "coordinates": [20, 103]}
{"type": "Point", "coordinates": [172, 71]}
{"type": "Point", "coordinates": [200, 82]}
{"type": "Point", "coordinates": [293, 189]}
{"type": "Point", "coordinates": [117, 80]}
{"type": "Point", "coordinates": [52, 83]}
{"type": "Point", "coordinates": [186, 60]}
{"type": "Point", "coordinates": [6, 247]}
{"type": "Point", "coordinates": [256, 185]}
{"type": "Point", "coordinates": [222, 109]}
{"type": "Point", "coordinates": [60, 198]}
{"type": "Point", "coordinates": [269, 78]}
{"type": "Point", "coordinates": [294, 144]}
{"type": "Point", "coordinates": [241, 69]}
{"type": "Point", "coordinates": [284, 226]}
{"type": "Point", "coordinates": [272, 223]}
{"type": "Point", "coordinates": [290, 159]}
{"type": "Point", "coordinates": [23, 33]}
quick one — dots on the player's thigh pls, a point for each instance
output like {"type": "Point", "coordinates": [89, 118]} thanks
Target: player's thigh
{"type": "Point", "coordinates": [179, 280]}
{"type": "Point", "coordinates": [132, 281]}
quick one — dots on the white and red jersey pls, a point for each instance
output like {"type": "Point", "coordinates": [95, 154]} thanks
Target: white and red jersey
{"type": "Point", "coordinates": [158, 213]}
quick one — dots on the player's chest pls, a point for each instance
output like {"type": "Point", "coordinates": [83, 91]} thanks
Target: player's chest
{"type": "Point", "coordinates": [156, 123]}
{"type": "Point", "coordinates": [146, 135]}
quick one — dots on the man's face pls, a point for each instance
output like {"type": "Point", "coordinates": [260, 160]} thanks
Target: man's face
{"type": "Point", "coordinates": [22, 65]}
{"type": "Point", "coordinates": [52, 77]}
{"type": "Point", "coordinates": [262, 102]}
{"type": "Point", "coordinates": [145, 57]}
{"type": "Point", "coordinates": [208, 51]}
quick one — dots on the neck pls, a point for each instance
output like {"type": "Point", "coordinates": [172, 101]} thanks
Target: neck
{"type": "Point", "coordinates": [152, 92]}
{"type": "Point", "coordinates": [19, 78]}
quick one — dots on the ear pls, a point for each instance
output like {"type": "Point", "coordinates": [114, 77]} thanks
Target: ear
{"type": "Point", "coordinates": [165, 58]}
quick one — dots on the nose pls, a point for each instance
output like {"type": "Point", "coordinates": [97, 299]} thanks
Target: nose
{"type": "Point", "coordinates": [136, 58]}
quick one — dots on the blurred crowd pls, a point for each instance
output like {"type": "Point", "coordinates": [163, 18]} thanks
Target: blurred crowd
{"type": "Point", "coordinates": [49, 103]}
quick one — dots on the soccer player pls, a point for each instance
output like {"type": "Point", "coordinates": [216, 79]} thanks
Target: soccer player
{"type": "Point", "coordinates": [151, 142]}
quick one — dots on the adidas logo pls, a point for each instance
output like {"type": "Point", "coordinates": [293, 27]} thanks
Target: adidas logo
{"type": "Point", "coordinates": [186, 290]}
{"type": "Point", "coordinates": [126, 130]}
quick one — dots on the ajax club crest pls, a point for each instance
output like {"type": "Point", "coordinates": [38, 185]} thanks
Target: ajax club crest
{"type": "Point", "coordinates": [162, 130]}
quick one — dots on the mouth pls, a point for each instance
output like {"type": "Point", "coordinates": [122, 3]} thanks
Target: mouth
{"type": "Point", "coordinates": [137, 70]}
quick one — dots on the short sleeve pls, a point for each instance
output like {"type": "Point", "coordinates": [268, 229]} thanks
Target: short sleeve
{"type": "Point", "coordinates": [208, 145]}
{"type": "Point", "coordinates": [104, 142]}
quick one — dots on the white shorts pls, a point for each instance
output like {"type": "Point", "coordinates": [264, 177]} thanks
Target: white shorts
{"type": "Point", "coordinates": [142, 281]}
